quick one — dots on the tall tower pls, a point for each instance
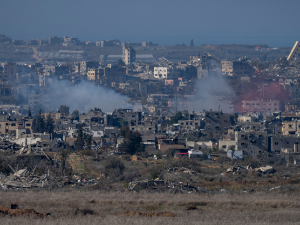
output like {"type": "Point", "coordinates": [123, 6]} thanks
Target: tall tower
{"type": "Point", "coordinates": [128, 55]}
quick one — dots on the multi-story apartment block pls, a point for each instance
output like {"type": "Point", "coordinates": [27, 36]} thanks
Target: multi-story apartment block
{"type": "Point", "coordinates": [55, 40]}
{"type": "Point", "coordinates": [217, 123]}
{"type": "Point", "coordinates": [108, 43]}
{"type": "Point", "coordinates": [129, 55]}
{"type": "Point", "coordinates": [95, 73]}
{"type": "Point", "coordinates": [5, 39]}
{"type": "Point", "coordinates": [7, 127]}
{"type": "Point", "coordinates": [115, 74]}
{"type": "Point", "coordinates": [237, 68]}
{"type": "Point", "coordinates": [166, 73]}
{"type": "Point", "coordinates": [290, 128]}
{"type": "Point", "coordinates": [206, 60]}
{"type": "Point", "coordinates": [85, 66]}
{"type": "Point", "coordinates": [70, 41]}
{"type": "Point", "coordinates": [260, 106]}
{"type": "Point", "coordinates": [278, 143]}
{"type": "Point", "coordinates": [251, 143]}
{"type": "Point", "coordinates": [127, 115]}
{"type": "Point", "coordinates": [9, 72]}
{"type": "Point", "coordinates": [49, 69]}
{"type": "Point", "coordinates": [227, 68]}
{"type": "Point", "coordinates": [160, 72]}
{"type": "Point", "coordinates": [189, 124]}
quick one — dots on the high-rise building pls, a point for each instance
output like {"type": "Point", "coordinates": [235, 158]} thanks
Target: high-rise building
{"type": "Point", "coordinates": [55, 40]}
{"type": "Point", "coordinates": [9, 72]}
{"type": "Point", "coordinates": [129, 55]}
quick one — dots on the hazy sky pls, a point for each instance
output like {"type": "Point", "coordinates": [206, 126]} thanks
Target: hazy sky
{"type": "Point", "coordinates": [166, 22]}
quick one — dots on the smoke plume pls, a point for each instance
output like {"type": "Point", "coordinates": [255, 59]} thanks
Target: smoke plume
{"type": "Point", "coordinates": [212, 92]}
{"type": "Point", "coordinates": [83, 97]}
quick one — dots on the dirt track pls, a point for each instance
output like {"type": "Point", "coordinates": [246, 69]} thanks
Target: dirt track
{"type": "Point", "coordinates": [21, 212]}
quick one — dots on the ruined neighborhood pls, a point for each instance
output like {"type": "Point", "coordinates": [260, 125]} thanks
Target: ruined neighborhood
{"type": "Point", "coordinates": [147, 122]}
{"type": "Point", "coordinates": [151, 127]}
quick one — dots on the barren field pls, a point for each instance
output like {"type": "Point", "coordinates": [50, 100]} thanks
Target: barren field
{"type": "Point", "coordinates": [94, 207]}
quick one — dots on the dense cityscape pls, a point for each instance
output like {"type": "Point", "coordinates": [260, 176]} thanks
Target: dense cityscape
{"type": "Point", "coordinates": [125, 132]}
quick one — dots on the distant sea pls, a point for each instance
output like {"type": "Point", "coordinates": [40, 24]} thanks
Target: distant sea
{"type": "Point", "coordinates": [282, 40]}
{"type": "Point", "coordinates": [171, 40]}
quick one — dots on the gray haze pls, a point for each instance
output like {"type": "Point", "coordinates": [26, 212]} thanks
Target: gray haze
{"type": "Point", "coordinates": [166, 22]}
{"type": "Point", "coordinates": [83, 97]}
{"type": "Point", "coordinates": [212, 92]}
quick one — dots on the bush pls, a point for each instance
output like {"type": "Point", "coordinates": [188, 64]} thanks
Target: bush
{"type": "Point", "coordinates": [128, 177]}
{"type": "Point", "coordinates": [87, 152]}
{"type": "Point", "coordinates": [84, 212]}
{"type": "Point", "coordinates": [114, 167]}
{"type": "Point", "coordinates": [143, 154]}
{"type": "Point", "coordinates": [154, 174]}
{"type": "Point", "coordinates": [126, 184]}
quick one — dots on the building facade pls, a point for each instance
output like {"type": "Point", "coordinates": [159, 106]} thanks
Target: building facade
{"type": "Point", "coordinates": [129, 55]}
{"type": "Point", "coordinates": [260, 106]}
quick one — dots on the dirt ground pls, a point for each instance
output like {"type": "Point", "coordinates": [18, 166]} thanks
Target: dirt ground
{"type": "Point", "coordinates": [95, 207]}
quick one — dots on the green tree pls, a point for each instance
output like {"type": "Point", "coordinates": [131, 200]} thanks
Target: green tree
{"type": "Point", "coordinates": [154, 174]}
{"type": "Point", "coordinates": [80, 138]}
{"type": "Point", "coordinates": [132, 142]}
{"type": "Point", "coordinates": [124, 131]}
{"type": "Point", "coordinates": [175, 118]}
{"type": "Point", "coordinates": [64, 109]}
{"type": "Point", "coordinates": [75, 113]}
{"type": "Point", "coordinates": [63, 153]}
{"type": "Point", "coordinates": [88, 138]}
{"type": "Point", "coordinates": [49, 126]}
{"type": "Point", "coordinates": [38, 123]}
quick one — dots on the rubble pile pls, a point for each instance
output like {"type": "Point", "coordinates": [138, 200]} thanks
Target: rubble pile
{"type": "Point", "coordinates": [162, 186]}
{"type": "Point", "coordinates": [265, 169]}
{"type": "Point", "coordinates": [24, 179]}
{"type": "Point", "coordinates": [236, 169]}
{"type": "Point", "coordinates": [30, 150]}
{"type": "Point", "coordinates": [7, 145]}
{"type": "Point", "coordinates": [181, 170]}
{"type": "Point", "coordinates": [151, 214]}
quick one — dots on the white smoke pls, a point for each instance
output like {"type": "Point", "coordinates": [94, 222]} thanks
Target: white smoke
{"type": "Point", "coordinates": [212, 92]}
{"type": "Point", "coordinates": [83, 97]}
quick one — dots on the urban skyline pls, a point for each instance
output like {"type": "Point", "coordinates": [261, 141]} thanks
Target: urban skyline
{"type": "Point", "coordinates": [164, 22]}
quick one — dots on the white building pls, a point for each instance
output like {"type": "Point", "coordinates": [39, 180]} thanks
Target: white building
{"type": "Point", "coordinates": [161, 72]}
{"type": "Point", "coordinates": [166, 73]}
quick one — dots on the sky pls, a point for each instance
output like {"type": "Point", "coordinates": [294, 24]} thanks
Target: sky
{"type": "Point", "coordinates": [165, 22]}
